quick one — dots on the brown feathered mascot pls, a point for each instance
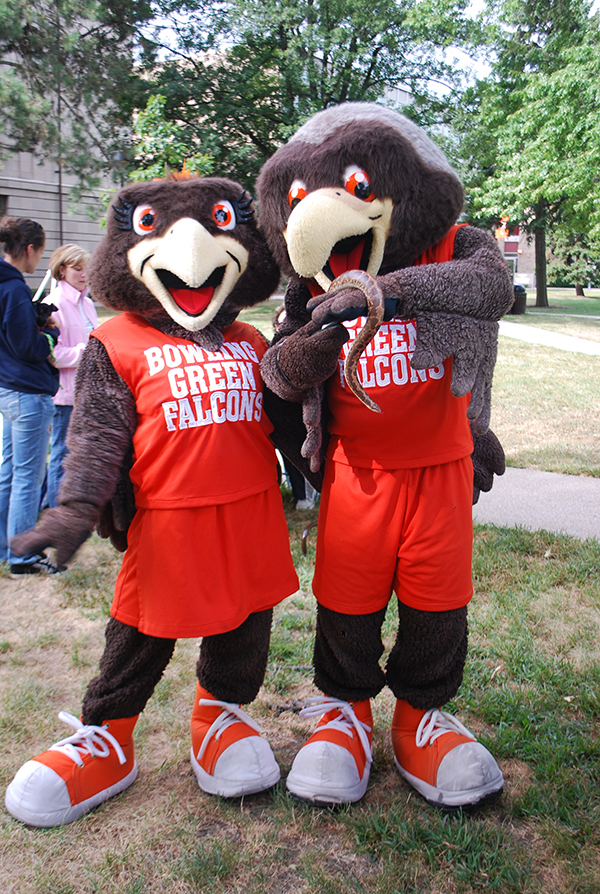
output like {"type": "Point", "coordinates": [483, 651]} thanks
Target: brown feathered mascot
{"type": "Point", "coordinates": [169, 400]}
{"type": "Point", "coordinates": [393, 366]}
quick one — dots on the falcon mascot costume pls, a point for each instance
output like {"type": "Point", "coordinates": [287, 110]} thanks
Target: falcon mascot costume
{"type": "Point", "coordinates": [171, 455]}
{"type": "Point", "coordinates": [389, 344]}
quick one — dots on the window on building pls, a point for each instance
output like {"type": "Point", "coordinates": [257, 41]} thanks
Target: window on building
{"type": "Point", "coordinates": [3, 205]}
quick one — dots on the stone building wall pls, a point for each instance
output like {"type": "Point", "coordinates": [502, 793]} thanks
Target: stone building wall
{"type": "Point", "coordinates": [30, 189]}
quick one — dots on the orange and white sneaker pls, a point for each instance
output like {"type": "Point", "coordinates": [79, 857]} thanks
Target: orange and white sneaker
{"type": "Point", "coordinates": [333, 766]}
{"type": "Point", "coordinates": [229, 756]}
{"type": "Point", "coordinates": [442, 759]}
{"type": "Point", "coordinates": [74, 775]}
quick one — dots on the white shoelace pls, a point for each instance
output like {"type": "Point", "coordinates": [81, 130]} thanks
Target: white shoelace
{"type": "Point", "coordinates": [230, 714]}
{"type": "Point", "coordinates": [435, 723]}
{"type": "Point", "coordinates": [94, 740]}
{"type": "Point", "coordinates": [345, 723]}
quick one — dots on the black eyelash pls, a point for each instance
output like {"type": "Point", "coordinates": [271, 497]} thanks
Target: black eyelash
{"type": "Point", "coordinates": [124, 215]}
{"type": "Point", "coordinates": [243, 212]}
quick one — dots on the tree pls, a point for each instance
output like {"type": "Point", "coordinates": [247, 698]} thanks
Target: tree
{"type": "Point", "coordinates": [574, 261]}
{"type": "Point", "coordinates": [527, 141]}
{"type": "Point", "coordinates": [67, 80]}
{"type": "Point", "coordinates": [161, 146]}
{"type": "Point", "coordinates": [244, 74]}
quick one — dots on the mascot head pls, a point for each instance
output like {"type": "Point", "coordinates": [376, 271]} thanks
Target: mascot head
{"type": "Point", "coordinates": [358, 186]}
{"type": "Point", "coordinates": [186, 249]}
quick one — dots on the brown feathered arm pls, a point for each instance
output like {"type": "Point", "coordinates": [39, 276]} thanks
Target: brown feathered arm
{"type": "Point", "coordinates": [475, 283]}
{"type": "Point", "coordinates": [488, 460]}
{"type": "Point", "coordinates": [99, 441]}
{"type": "Point", "coordinates": [302, 354]}
{"type": "Point", "coordinates": [301, 358]}
{"type": "Point", "coordinates": [289, 434]}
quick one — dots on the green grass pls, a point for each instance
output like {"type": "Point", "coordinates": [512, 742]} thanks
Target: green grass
{"type": "Point", "coordinates": [531, 693]}
{"type": "Point", "coordinates": [261, 315]}
{"type": "Point", "coordinates": [546, 406]}
{"type": "Point", "coordinates": [91, 588]}
{"type": "Point", "coordinates": [567, 314]}
{"type": "Point", "coordinates": [565, 301]}
{"type": "Point", "coordinates": [563, 324]}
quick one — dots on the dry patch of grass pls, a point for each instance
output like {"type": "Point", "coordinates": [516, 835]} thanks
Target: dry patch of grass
{"type": "Point", "coordinates": [546, 406]}
{"type": "Point", "coordinates": [579, 327]}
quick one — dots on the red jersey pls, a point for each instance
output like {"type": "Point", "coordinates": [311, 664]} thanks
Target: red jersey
{"type": "Point", "coordinates": [202, 437]}
{"type": "Point", "coordinates": [421, 423]}
{"type": "Point", "coordinates": [209, 543]}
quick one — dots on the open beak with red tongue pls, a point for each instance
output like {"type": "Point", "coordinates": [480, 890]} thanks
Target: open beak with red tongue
{"type": "Point", "coordinates": [189, 271]}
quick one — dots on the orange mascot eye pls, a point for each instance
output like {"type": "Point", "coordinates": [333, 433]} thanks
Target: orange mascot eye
{"type": "Point", "coordinates": [298, 191]}
{"type": "Point", "coordinates": [144, 219]}
{"type": "Point", "coordinates": [224, 215]}
{"type": "Point", "coordinates": [358, 184]}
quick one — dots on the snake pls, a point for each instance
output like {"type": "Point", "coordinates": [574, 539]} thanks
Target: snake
{"type": "Point", "coordinates": [367, 284]}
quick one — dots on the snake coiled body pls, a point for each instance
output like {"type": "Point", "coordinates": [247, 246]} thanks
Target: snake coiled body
{"type": "Point", "coordinates": [367, 284]}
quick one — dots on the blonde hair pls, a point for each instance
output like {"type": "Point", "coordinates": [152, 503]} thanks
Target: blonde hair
{"type": "Point", "coordinates": [68, 255]}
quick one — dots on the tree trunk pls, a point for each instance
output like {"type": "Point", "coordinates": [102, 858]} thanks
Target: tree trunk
{"type": "Point", "coordinates": [579, 290]}
{"type": "Point", "coordinates": [541, 295]}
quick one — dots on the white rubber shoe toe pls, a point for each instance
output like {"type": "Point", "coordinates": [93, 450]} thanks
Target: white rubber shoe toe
{"type": "Point", "coordinates": [245, 767]}
{"type": "Point", "coordinates": [38, 796]}
{"type": "Point", "coordinates": [466, 776]}
{"type": "Point", "coordinates": [326, 773]}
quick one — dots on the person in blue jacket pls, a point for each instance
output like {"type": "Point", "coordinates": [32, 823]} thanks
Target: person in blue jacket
{"type": "Point", "coordinates": [28, 380]}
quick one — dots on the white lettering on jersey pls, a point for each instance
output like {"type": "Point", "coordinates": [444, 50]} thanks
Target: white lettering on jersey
{"type": "Point", "coordinates": [227, 377]}
{"type": "Point", "coordinates": [180, 355]}
{"type": "Point", "coordinates": [386, 360]}
{"type": "Point", "coordinates": [225, 406]}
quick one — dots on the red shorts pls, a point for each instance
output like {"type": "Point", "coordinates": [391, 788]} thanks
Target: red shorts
{"type": "Point", "coordinates": [201, 571]}
{"type": "Point", "coordinates": [406, 530]}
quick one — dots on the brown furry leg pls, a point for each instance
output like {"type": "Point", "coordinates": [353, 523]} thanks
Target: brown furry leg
{"type": "Point", "coordinates": [232, 665]}
{"type": "Point", "coordinates": [130, 667]}
{"type": "Point", "coordinates": [425, 667]}
{"type": "Point", "coordinates": [346, 654]}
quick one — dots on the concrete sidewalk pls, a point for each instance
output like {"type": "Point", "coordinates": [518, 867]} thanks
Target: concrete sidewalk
{"type": "Point", "coordinates": [563, 504]}
{"type": "Point", "coordinates": [539, 336]}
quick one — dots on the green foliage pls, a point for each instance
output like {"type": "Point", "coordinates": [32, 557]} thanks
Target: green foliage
{"type": "Point", "coordinates": [68, 84]}
{"type": "Point", "coordinates": [573, 261]}
{"type": "Point", "coordinates": [243, 76]}
{"type": "Point", "coordinates": [161, 146]}
{"type": "Point", "coordinates": [531, 141]}
{"type": "Point", "coordinates": [548, 151]}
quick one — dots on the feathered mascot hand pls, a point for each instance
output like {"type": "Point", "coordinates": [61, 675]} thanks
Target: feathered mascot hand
{"type": "Point", "coordinates": [63, 528]}
{"type": "Point", "coordinates": [488, 460]}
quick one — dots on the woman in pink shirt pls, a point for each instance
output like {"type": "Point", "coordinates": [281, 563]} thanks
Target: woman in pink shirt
{"type": "Point", "coordinates": [76, 317]}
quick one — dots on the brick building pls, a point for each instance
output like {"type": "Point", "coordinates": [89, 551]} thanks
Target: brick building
{"type": "Point", "coordinates": [31, 189]}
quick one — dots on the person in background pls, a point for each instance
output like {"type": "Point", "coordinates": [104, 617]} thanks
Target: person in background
{"type": "Point", "coordinates": [28, 381]}
{"type": "Point", "coordinates": [76, 317]}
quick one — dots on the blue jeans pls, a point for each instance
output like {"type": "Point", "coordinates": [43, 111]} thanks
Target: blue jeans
{"type": "Point", "coordinates": [25, 436]}
{"type": "Point", "coordinates": [58, 450]}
